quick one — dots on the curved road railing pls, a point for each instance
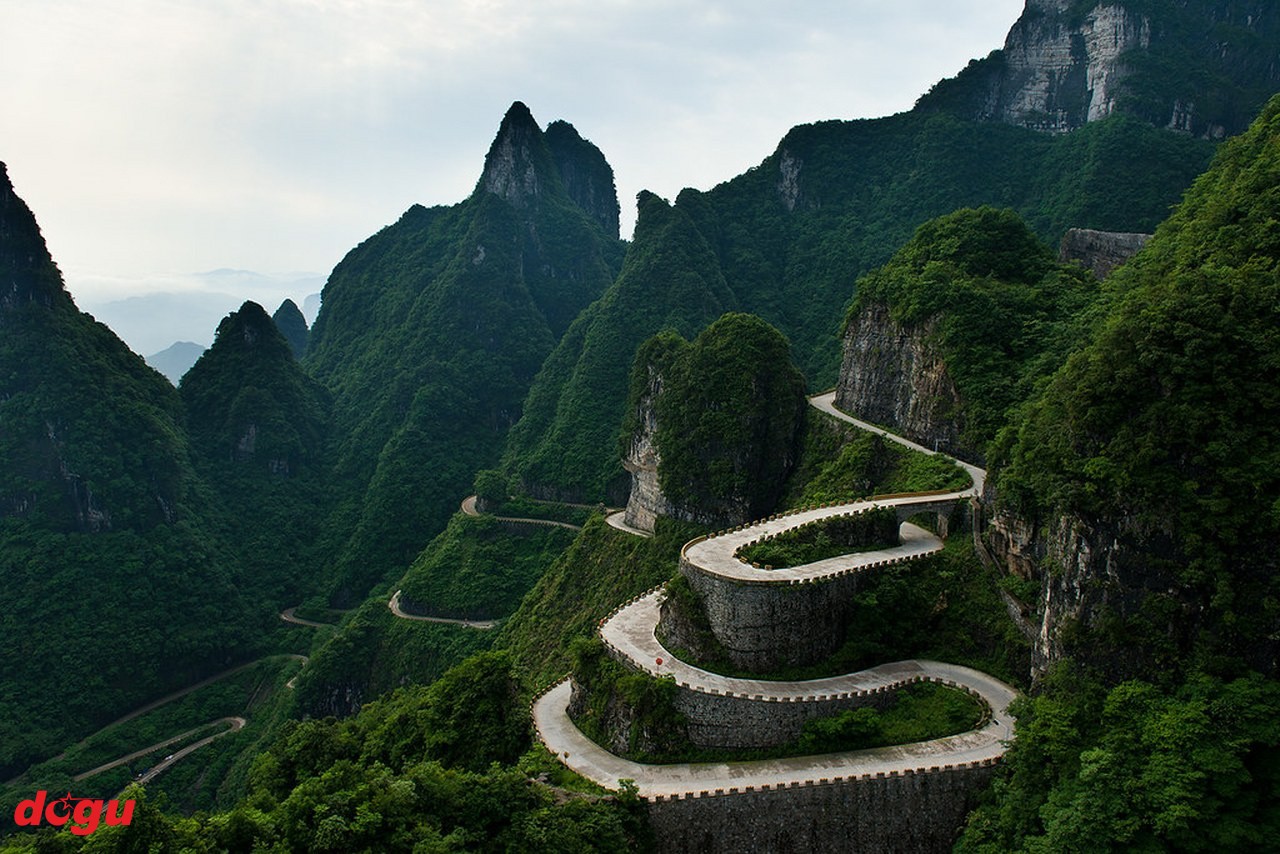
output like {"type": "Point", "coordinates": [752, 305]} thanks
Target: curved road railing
{"type": "Point", "coordinates": [630, 633]}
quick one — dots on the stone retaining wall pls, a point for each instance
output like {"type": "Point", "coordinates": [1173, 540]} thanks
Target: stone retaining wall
{"type": "Point", "coordinates": [765, 626]}
{"type": "Point", "coordinates": [918, 811]}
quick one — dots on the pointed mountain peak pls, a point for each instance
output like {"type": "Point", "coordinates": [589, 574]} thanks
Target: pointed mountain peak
{"type": "Point", "coordinates": [519, 166]}
{"type": "Point", "coordinates": [27, 272]}
{"type": "Point", "coordinates": [293, 326]}
{"type": "Point", "coordinates": [587, 176]}
{"type": "Point", "coordinates": [250, 328]}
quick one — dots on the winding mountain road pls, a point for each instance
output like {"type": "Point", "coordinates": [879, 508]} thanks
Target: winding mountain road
{"type": "Point", "coordinates": [168, 698]}
{"type": "Point", "coordinates": [630, 633]}
{"type": "Point", "coordinates": [394, 605]}
{"type": "Point", "coordinates": [289, 617]}
{"type": "Point", "coordinates": [235, 723]}
{"type": "Point", "coordinates": [469, 509]}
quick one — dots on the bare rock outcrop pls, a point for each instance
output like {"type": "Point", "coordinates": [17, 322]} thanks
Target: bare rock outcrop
{"type": "Point", "coordinates": [894, 375]}
{"type": "Point", "coordinates": [1100, 251]}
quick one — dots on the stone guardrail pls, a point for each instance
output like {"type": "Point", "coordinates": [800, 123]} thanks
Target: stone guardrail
{"type": "Point", "coordinates": [909, 771]}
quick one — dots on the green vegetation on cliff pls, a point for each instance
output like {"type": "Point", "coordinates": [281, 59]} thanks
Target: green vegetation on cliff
{"type": "Point", "coordinates": [1162, 434]}
{"type": "Point", "coordinates": [786, 240]}
{"type": "Point", "coordinates": [430, 335]}
{"type": "Point", "coordinates": [564, 446]}
{"type": "Point", "coordinates": [1166, 423]}
{"type": "Point", "coordinates": [1003, 310]}
{"type": "Point", "coordinates": [480, 568]}
{"type": "Point", "coordinates": [443, 768]}
{"type": "Point", "coordinates": [723, 413]}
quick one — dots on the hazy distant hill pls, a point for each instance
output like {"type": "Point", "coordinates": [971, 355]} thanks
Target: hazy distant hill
{"type": "Point", "coordinates": [176, 359]}
{"type": "Point", "coordinates": [186, 307]}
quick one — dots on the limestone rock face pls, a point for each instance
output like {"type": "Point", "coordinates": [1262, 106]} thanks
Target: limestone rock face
{"type": "Point", "coordinates": [1100, 251]}
{"type": "Point", "coordinates": [646, 501]}
{"type": "Point", "coordinates": [517, 164]}
{"type": "Point", "coordinates": [1059, 73]}
{"type": "Point", "coordinates": [894, 375]}
{"type": "Point", "coordinates": [1202, 67]}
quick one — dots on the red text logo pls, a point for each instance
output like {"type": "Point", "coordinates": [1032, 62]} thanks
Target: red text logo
{"type": "Point", "coordinates": [83, 814]}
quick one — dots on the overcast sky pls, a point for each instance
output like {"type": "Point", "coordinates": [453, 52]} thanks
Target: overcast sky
{"type": "Point", "coordinates": [161, 137]}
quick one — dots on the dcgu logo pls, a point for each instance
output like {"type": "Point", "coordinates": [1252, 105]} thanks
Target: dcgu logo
{"type": "Point", "coordinates": [83, 814]}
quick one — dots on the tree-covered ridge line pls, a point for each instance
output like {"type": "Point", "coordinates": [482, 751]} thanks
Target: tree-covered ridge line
{"type": "Point", "coordinates": [431, 333]}
{"type": "Point", "coordinates": [787, 240]}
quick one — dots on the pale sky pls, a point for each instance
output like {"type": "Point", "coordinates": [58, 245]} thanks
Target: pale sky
{"type": "Point", "coordinates": [160, 138]}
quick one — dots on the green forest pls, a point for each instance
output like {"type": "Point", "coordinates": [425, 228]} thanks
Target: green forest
{"type": "Point", "coordinates": [220, 560]}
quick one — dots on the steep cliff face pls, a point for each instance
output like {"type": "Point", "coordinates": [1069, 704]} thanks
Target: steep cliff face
{"type": "Point", "coordinates": [1138, 489]}
{"type": "Point", "coordinates": [1100, 251]}
{"type": "Point", "coordinates": [587, 176]}
{"type": "Point", "coordinates": [1060, 72]}
{"type": "Point", "coordinates": [641, 459]}
{"type": "Point", "coordinates": [713, 425]}
{"type": "Point", "coordinates": [942, 340]}
{"type": "Point", "coordinates": [1202, 67]}
{"type": "Point", "coordinates": [1113, 582]}
{"type": "Point", "coordinates": [894, 375]}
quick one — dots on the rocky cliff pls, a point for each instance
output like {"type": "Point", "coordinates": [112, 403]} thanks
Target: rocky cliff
{"type": "Point", "coordinates": [712, 430]}
{"type": "Point", "coordinates": [1100, 251]}
{"type": "Point", "coordinates": [1137, 491]}
{"type": "Point", "coordinates": [1203, 67]}
{"type": "Point", "coordinates": [646, 501]}
{"type": "Point", "coordinates": [894, 375]}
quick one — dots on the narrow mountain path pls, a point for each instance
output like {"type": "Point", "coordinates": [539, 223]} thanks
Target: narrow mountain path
{"type": "Point", "coordinates": [394, 605]}
{"type": "Point", "coordinates": [469, 509]}
{"type": "Point", "coordinates": [235, 723]}
{"type": "Point", "coordinates": [168, 762]}
{"type": "Point", "coordinates": [630, 634]}
{"type": "Point", "coordinates": [169, 698]}
{"type": "Point", "coordinates": [618, 519]}
{"type": "Point", "coordinates": [289, 617]}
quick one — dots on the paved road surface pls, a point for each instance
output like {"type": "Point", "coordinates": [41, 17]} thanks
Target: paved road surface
{"type": "Point", "coordinates": [236, 723]}
{"type": "Point", "coordinates": [469, 508]}
{"type": "Point", "coordinates": [630, 632]}
{"type": "Point", "coordinates": [618, 520]}
{"type": "Point", "coordinates": [394, 605]}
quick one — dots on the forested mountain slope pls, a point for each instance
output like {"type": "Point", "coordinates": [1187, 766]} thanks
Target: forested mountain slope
{"type": "Point", "coordinates": [787, 240]}
{"type": "Point", "coordinates": [1138, 494]}
{"type": "Point", "coordinates": [431, 332]}
{"type": "Point", "coordinates": [115, 587]}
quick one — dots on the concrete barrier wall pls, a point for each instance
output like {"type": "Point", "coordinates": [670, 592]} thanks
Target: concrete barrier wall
{"type": "Point", "coordinates": [913, 812]}
{"type": "Point", "coordinates": [765, 626]}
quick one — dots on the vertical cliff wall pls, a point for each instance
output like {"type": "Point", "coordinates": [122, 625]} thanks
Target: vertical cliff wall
{"type": "Point", "coordinates": [894, 375]}
{"type": "Point", "coordinates": [1203, 67]}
